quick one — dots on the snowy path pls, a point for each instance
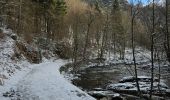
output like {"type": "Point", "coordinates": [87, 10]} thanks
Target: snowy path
{"type": "Point", "coordinates": [44, 82]}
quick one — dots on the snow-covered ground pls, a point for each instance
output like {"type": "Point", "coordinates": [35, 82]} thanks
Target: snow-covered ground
{"type": "Point", "coordinates": [8, 66]}
{"type": "Point", "coordinates": [25, 81]}
{"type": "Point", "coordinates": [43, 82]}
{"type": "Point", "coordinates": [142, 56]}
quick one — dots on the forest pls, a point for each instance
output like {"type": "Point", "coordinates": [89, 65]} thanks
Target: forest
{"type": "Point", "coordinates": [108, 49]}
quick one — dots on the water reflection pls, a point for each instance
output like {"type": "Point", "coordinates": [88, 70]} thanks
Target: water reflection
{"type": "Point", "coordinates": [97, 77]}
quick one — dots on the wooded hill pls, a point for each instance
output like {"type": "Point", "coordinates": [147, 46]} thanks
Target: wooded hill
{"type": "Point", "coordinates": [80, 29]}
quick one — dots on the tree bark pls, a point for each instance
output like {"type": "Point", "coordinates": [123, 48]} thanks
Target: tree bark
{"type": "Point", "coordinates": [152, 49]}
{"type": "Point", "coordinates": [133, 47]}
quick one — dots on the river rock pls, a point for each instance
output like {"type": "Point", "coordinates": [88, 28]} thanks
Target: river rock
{"type": "Point", "coordinates": [14, 36]}
{"type": "Point", "coordinates": [127, 85]}
{"type": "Point", "coordinates": [140, 78]}
{"type": "Point", "coordinates": [105, 94]}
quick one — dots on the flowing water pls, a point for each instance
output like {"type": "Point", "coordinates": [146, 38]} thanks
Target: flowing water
{"type": "Point", "coordinates": [89, 78]}
{"type": "Point", "coordinates": [97, 77]}
{"type": "Point", "coordinates": [100, 76]}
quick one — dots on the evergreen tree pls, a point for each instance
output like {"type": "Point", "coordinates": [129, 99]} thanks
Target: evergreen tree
{"type": "Point", "coordinates": [117, 29]}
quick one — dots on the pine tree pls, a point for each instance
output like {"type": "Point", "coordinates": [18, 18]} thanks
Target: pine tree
{"type": "Point", "coordinates": [117, 29]}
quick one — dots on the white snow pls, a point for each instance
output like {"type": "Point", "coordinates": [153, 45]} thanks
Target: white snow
{"type": "Point", "coordinates": [121, 86]}
{"type": "Point", "coordinates": [9, 66]}
{"type": "Point", "coordinates": [44, 82]}
{"type": "Point", "coordinates": [144, 84]}
{"type": "Point", "coordinates": [104, 93]}
{"type": "Point", "coordinates": [142, 56]}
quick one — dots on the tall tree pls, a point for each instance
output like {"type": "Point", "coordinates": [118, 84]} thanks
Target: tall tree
{"type": "Point", "coordinates": [90, 20]}
{"type": "Point", "coordinates": [167, 42]}
{"type": "Point", "coordinates": [134, 13]}
{"type": "Point", "coordinates": [152, 47]}
{"type": "Point", "coordinates": [118, 32]}
{"type": "Point", "coordinates": [19, 17]}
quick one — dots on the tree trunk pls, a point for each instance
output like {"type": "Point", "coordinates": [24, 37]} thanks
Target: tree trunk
{"type": "Point", "coordinates": [152, 48]}
{"type": "Point", "coordinates": [19, 18]}
{"type": "Point", "coordinates": [86, 41]}
{"type": "Point", "coordinates": [133, 49]}
{"type": "Point", "coordinates": [167, 47]}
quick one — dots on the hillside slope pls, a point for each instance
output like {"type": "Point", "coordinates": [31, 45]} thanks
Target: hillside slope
{"type": "Point", "coordinates": [22, 80]}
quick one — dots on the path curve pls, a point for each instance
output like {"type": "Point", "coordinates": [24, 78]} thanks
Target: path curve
{"type": "Point", "coordinates": [44, 82]}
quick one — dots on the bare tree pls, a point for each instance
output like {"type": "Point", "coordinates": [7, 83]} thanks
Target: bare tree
{"type": "Point", "coordinates": [167, 45]}
{"type": "Point", "coordinates": [19, 17]}
{"type": "Point", "coordinates": [134, 13]}
{"type": "Point", "coordinates": [152, 47]}
{"type": "Point", "coordinates": [89, 22]}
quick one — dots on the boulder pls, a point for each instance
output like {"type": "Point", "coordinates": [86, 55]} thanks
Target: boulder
{"type": "Point", "coordinates": [117, 98]}
{"type": "Point", "coordinates": [100, 94]}
{"type": "Point", "coordinates": [140, 78]}
{"type": "Point", "coordinates": [14, 36]}
{"type": "Point", "coordinates": [127, 85]}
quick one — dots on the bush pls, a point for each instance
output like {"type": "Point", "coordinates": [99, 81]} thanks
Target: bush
{"type": "Point", "coordinates": [63, 51]}
{"type": "Point", "coordinates": [33, 55]}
